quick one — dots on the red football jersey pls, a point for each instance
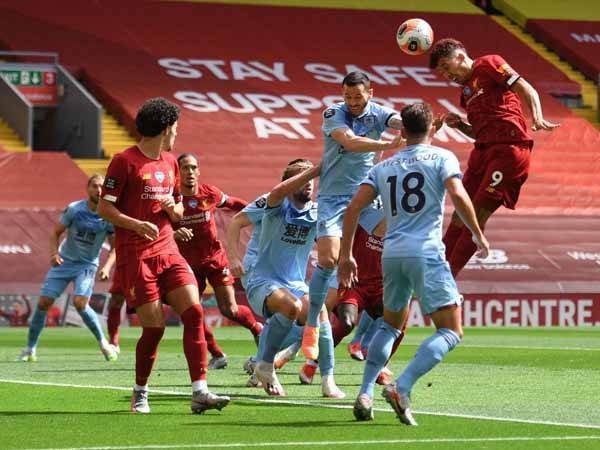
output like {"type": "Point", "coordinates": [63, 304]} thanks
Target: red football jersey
{"type": "Point", "coordinates": [494, 111]}
{"type": "Point", "coordinates": [135, 184]}
{"type": "Point", "coordinates": [367, 250]}
{"type": "Point", "coordinates": [199, 216]}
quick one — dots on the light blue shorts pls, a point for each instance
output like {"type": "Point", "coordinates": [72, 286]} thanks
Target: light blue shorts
{"type": "Point", "coordinates": [58, 277]}
{"type": "Point", "coordinates": [259, 289]}
{"type": "Point", "coordinates": [430, 279]}
{"type": "Point", "coordinates": [330, 215]}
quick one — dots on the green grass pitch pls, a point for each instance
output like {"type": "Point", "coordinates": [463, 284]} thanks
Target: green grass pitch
{"type": "Point", "coordinates": [501, 388]}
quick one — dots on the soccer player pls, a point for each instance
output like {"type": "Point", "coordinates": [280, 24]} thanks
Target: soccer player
{"type": "Point", "coordinates": [492, 93]}
{"type": "Point", "coordinates": [141, 198]}
{"type": "Point", "coordinates": [18, 317]}
{"type": "Point", "coordinates": [197, 238]}
{"type": "Point", "coordinates": [75, 260]}
{"type": "Point", "coordinates": [351, 134]}
{"type": "Point", "coordinates": [277, 289]}
{"type": "Point", "coordinates": [412, 185]}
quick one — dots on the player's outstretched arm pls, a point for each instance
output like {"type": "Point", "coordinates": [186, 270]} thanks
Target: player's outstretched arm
{"type": "Point", "coordinates": [285, 188]}
{"type": "Point", "coordinates": [104, 273]}
{"type": "Point", "coordinates": [453, 120]}
{"type": "Point", "coordinates": [360, 144]}
{"type": "Point", "coordinates": [464, 208]}
{"type": "Point", "coordinates": [233, 203]}
{"type": "Point", "coordinates": [530, 97]}
{"type": "Point", "coordinates": [59, 229]}
{"type": "Point", "coordinates": [109, 212]}
{"type": "Point", "coordinates": [347, 269]}
{"type": "Point", "coordinates": [239, 221]}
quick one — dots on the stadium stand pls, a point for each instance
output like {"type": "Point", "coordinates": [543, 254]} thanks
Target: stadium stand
{"type": "Point", "coordinates": [252, 81]}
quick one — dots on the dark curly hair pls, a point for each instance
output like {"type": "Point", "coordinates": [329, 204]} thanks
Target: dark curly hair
{"type": "Point", "coordinates": [442, 49]}
{"type": "Point", "coordinates": [155, 115]}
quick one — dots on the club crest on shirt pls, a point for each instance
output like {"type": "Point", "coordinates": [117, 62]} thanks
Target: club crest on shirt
{"type": "Point", "coordinates": [160, 176]}
{"type": "Point", "coordinates": [193, 203]}
{"type": "Point", "coordinates": [370, 121]}
{"type": "Point", "coordinates": [329, 113]}
{"type": "Point", "coordinates": [467, 91]}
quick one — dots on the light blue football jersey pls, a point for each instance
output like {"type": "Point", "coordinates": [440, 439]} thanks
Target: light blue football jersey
{"type": "Point", "coordinates": [286, 240]}
{"type": "Point", "coordinates": [254, 211]}
{"type": "Point", "coordinates": [341, 170]}
{"type": "Point", "coordinates": [411, 185]}
{"type": "Point", "coordinates": [86, 232]}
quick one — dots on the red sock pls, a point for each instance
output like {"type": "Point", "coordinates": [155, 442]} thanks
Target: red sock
{"type": "Point", "coordinates": [211, 342]}
{"type": "Point", "coordinates": [451, 237]}
{"type": "Point", "coordinates": [146, 352]}
{"type": "Point", "coordinates": [246, 319]}
{"type": "Point", "coordinates": [338, 329]}
{"type": "Point", "coordinates": [112, 323]}
{"type": "Point", "coordinates": [463, 250]}
{"type": "Point", "coordinates": [194, 343]}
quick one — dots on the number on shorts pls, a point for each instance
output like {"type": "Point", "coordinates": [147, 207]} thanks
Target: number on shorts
{"type": "Point", "coordinates": [408, 191]}
{"type": "Point", "coordinates": [496, 178]}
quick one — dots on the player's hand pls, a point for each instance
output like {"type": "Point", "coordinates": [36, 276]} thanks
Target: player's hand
{"type": "Point", "coordinates": [104, 274]}
{"type": "Point", "coordinates": [183, 234]}
{"type": "Point", "coordinates": [453, 120]}
{"type": "Point", "coordinates": [347, 273]}
{"type": "Point", "coordinates": [482, 244]}
{"type": "Point", "coordinates": [543, 124]}
{"type": "Point", "coordinates": [167, 203]}
{"type": "Point", "coordinates": [236, 267]}
{"type": "Point", "coordinates": [438, 122]}
{"type": "Point", "coordinates": [147, 230]}
{"type": "Point", "coordinates": [395, 143]}
{"type": "Point", "coordinates": [56, 260]}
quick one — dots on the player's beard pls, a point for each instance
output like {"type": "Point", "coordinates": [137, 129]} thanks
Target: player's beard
{"type": "Point", "coordinates": [301, 197]}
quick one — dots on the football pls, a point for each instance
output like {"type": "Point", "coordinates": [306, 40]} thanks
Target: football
{"type": "Point", "coordinates": [414, 36]}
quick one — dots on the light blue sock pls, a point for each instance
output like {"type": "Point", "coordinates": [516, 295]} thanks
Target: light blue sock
{"type": "Point", "coordinates": [90, 318]}
{"type": "Point", "coordinates": [326, 355]}
{"type": "Point", "coordinates": [261, 342]}
{"type": "Point", "coordinates": [37, 324]}
{"type": "Point", "coordinates": [379, 352]}
{"type": "Point", "coordinates": [363, 325]}
{"type": "Point", "coordinates": [370, 333]}
{"type": "Point", "coordinates": [277, 328]}
{"type": "Point", "coordinates": [319, 285]}
{"type": "Point", "coordinates": [431, 351]}
{"type": "Point", "coordinates": [294, 337]}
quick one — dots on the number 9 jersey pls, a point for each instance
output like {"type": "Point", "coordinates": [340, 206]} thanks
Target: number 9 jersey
{"type": "Point", "coordinates": [411, 185]}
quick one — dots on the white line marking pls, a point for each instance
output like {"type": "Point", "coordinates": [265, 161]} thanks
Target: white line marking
{"type": "Point", "coordinates": [523, 347]}
{"type": "Point", "coordinates": [306, 403]}
{"type": "Point", "coordinates": [550, 260]}
{"type": "Point", "coordinates": [353, 443]}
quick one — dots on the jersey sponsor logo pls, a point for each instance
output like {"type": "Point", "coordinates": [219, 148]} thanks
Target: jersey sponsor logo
{"type": "Point", "coordinates": [110, 183]}
{"type": "Point", "coordinates": [160, 176]}
{"type": "Point", "coordinates": [261, 202]}
{"type": "Point", "coordinates": [193, 203]}
{"type": "Point", "coordinates": [329, 113]}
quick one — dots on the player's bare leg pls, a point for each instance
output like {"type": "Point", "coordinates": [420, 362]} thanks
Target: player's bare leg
{"type": "Point", "coordinates": [186, 303]}
{"type": "Point", "coordinates": [328, 249]}
{"type": "Point", "coordinates": [238, 313]}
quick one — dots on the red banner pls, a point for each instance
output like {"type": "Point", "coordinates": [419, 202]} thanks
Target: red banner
{"type": "Point", "coordinates": [577, 42]}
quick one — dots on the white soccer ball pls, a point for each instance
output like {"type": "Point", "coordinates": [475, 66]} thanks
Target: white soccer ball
{"type": "Point", "coordinates": [414, 36]}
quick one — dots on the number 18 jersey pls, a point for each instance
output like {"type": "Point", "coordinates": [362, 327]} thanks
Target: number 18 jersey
{"type": "Point", "coordinates": [411, 185]}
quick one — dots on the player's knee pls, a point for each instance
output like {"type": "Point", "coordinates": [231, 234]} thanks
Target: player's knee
{"type": "Point", "coordinates": [80, 303]}
{"type": "Point", "coordinates": [347, 322]}
{"type": "Point", "coordinates": [45, 303]}
{"type": "Point", "coordinates": [292, 310]}
{"type": "Point", "coordinates": [327, 261]}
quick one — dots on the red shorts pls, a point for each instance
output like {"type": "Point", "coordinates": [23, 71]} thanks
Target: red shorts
{"type": "Point", "coordinates": [367, 298]}
{"type": "Point", "coordinates": [116, 288]}
{"type": "Point", "coordinates": [495, 174]}
{"type": "Point", "coordinates": [154, 277]}
{"type": "Point", "coordinates": [215, 270]}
